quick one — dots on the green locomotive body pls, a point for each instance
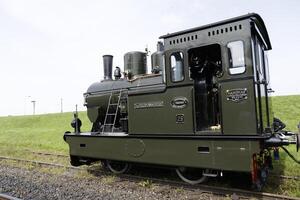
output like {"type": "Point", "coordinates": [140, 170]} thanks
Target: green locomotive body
{"type": "Point", "coordinates": [205, 105]}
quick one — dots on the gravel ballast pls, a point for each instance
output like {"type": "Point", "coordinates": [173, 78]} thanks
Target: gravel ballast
{"type": "Point", "coordinates": [35, 184]}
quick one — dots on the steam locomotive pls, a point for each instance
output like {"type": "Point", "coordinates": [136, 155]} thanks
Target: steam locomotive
{"type": "Point", "coordinates": [204, 108]}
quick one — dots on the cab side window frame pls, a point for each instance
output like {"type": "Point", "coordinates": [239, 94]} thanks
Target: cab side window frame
{"type": "Point", "coordinates": [236, 57]}
{"type": "Point", "coordinates": [177, 66]}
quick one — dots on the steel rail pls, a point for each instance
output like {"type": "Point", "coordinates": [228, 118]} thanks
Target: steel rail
{"type": "Point", "coordinates": [204, 188]}
{"type": "Point", "coordinates": [48, 154]}
{"type": "Point", "coordinates": [7, 197]}
{"type": "Point", "coordinates": [285, 177]}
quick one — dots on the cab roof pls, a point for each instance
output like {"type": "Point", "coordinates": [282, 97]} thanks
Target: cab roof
{"type": "Point", "coordinates": [252, 16]}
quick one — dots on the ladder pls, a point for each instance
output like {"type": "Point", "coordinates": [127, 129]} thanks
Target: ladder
{"type": "Point", "coordinates": [108, 122]}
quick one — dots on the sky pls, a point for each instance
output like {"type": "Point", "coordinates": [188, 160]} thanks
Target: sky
{"type": "Point", "coordinates": [51, 50]}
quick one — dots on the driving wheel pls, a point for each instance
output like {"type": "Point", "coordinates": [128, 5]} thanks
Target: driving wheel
{"type": "Point", "coordinates": [116, 167]}
{"type": "Point", "coordinates": [192, 175]}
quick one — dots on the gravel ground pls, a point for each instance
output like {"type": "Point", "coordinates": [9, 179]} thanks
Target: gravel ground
{"type": "Point", "coordinates": [34, 184]}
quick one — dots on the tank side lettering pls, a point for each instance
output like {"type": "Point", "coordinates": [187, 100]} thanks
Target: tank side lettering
{"type": "Point", "coordinates": [155, 104]}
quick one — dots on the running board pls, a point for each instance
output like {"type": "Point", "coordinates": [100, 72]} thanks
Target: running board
{"type": "Point", "coordinates": [210, 174]}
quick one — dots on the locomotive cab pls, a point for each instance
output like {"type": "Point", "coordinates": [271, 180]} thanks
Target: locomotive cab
{"type": "Point", "coordinates": [225, 63]}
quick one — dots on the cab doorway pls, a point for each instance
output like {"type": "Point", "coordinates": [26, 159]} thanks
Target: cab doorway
{"type": "Point", "coordinates": [205, 67]}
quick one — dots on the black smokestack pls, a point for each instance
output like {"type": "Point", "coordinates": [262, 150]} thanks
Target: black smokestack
{"type": "Point", "coordinates": [107, 66]}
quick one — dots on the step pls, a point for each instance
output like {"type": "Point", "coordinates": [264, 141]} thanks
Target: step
{"type": "Point", "coordinates": [210, 174]}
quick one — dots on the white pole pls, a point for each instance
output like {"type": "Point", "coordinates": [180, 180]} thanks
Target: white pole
{"type": "Point", "coordinates": [33, 106]}
{"type": "Point", "coordinates": [61, 105]}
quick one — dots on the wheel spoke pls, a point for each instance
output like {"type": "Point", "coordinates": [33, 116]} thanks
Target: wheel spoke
{"type": "Point", "coordinates": [191, 175]}
{"type": "Point", "coordinates": [116, 167]}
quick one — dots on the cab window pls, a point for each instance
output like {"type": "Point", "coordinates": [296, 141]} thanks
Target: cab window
{"type": "Point", "coordinates": [236, 57]}
{"type": "Point", "coordinates": [177, 72]}
{"type": "Point", "coordinates": [260, 61]}
{"type": "Point", "coordinates": [267, 68]}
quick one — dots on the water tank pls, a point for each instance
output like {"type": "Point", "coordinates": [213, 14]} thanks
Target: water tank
{"type": "Point", "coordinates": [135, 62]}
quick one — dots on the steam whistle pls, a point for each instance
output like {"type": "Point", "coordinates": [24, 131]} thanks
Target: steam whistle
{"type": "Point", "coordinates": [76, 122]}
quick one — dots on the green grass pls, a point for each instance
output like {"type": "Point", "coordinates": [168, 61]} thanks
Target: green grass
{"type": "Point", "coordinates": [287, 108]}
{"type": "Point", "coordinates": [38, 132]}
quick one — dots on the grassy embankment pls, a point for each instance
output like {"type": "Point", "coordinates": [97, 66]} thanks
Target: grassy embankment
{"type": "Point", "coordinates": [38, 132]}
{"type": "Point", "coordinates": [286, 108]}
{"type": "Point", "coordinates": [21, 134]}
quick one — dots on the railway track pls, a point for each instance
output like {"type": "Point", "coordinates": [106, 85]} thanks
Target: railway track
{"type": "Point", "coordinates": [235, 193]}
{"type": "Point", "coordinates": [67, 156]}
